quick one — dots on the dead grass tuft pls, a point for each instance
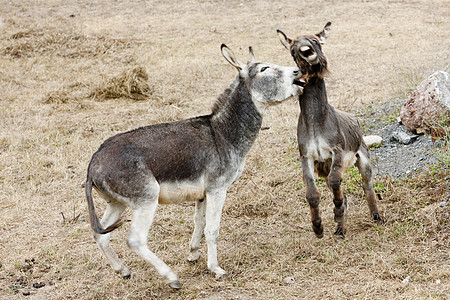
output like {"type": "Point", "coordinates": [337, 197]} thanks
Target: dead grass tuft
{"type": "Point", "coordinates": [5, 143]}
{"type": "Point", "coordinates": [131, 84]}
{"type": "Point", "coordinates": [59, 96]}
{"type": "Point", "coordinates": [67, 93]}
{"type": "Point", "coordinates": [56, 42]}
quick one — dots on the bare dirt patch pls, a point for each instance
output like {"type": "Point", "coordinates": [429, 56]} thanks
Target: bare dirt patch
{"type": "Point", "coordinates": [54, 54]}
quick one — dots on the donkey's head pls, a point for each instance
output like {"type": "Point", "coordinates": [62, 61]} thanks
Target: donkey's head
{"type": "Point", "coordinates": [307, 52]}
{"type": "Point", "coordinates": [268, 84]}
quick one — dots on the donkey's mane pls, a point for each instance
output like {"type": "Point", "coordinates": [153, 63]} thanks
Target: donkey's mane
{"type": "Point", "coordinates": [223, 98]}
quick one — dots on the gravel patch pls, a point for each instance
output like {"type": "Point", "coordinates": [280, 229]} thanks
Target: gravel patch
{"type": "Point", "coordinates": [402, 153]}
{"type": "Point", "coordinates": [400, 160]}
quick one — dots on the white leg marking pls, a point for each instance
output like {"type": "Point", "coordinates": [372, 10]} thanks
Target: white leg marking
{"type": "Point", "coordinates": [137, 240]}
{"type": "Point", "coordinates": [113, 212]}
{"type": "Point", "coordinates": [199, 226]}
{"type": "Point", "coordinates": [214, 205]}
{"type": "Point", "coordinates": [365, 169]}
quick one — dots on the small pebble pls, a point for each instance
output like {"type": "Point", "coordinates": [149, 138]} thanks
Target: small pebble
{"type": "Point", "coordinates": [443, 203]}
{"type": "Point", "coordinates": [26, 293]}
{"type": "Point", "coordinates": [289, 280]}
{"type": "Point", "coordinates": [438, 144]}
{"type": "Point", "coordinates": [38, 285]}
{"type": "Point", "coordinates": [406, 280]}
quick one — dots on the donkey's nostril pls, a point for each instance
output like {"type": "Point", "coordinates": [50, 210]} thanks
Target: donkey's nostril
{"type": "Point", "coordinates": [296, 72]}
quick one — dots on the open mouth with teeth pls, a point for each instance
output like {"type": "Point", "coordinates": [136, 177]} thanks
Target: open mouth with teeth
{"type": "Point", "coordinates": [300, 82]}
{"type": "Point", "coordinates": [306, 52]}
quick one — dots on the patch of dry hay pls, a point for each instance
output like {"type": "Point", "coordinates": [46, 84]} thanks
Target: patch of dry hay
{"type": "Point", "coordinates": [132, 84]}
{"type": "Point", "coordinates": [54, 42]}
{"type": "Point", "coordinates": [67, 93]}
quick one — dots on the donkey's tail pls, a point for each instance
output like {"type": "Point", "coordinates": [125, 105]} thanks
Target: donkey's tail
{"type": "Point", "coordinates": [95, 222]}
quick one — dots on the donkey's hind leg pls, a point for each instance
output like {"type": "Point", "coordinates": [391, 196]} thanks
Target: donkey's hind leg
{"type": "Point", "coordinates": [364, 167]}
{"type": "Point", "coordinates": [143, 215]}
{"type": "Point", "coordinates": [312, 195]}
{"type": "Point", "coordinates": [334, 181]}
{"type": "Point", "coordinates": [199, 226]}
{"type": "Point", "coordinates": [113, 212]}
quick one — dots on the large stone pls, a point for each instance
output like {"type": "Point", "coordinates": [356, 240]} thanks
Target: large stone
{"type": "Point", "coordinates": [429, 105]}
{"type": "Point", "coordinates": [403, 137]}
{"type": "Point", "coordinates": [373, 140]}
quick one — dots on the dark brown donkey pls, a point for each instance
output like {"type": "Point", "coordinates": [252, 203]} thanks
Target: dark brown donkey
{"type": "Point", "coordinates": [330, 140]}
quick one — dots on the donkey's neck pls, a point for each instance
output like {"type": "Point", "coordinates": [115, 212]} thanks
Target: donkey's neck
{"type": "Point", "coordinates": [313, 102]}
{"type": "Point", "coordinates": [236, 119]}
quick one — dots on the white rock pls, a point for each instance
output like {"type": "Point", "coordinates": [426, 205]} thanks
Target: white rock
{"type": "Point", "coordinates": [372, 140]}
{"type": "Point", "coordinates": [289, 280]}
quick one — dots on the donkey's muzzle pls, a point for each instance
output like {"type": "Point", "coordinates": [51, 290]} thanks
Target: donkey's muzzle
{"type": "Point", "coordinates": [300, 82]}
{"type": "Point", "coordinates": [307, 52]}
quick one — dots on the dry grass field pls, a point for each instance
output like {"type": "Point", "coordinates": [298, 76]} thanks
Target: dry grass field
{"type": "Point", "coordinates": [73, 73]}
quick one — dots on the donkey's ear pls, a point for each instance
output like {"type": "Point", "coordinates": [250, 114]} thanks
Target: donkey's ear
{"type": "Point", "coordinates": [251, 56]}
{"type": "Point", "coordinates": [231, 58]}
{"type": "Point", "coordinates": [323, 34]}
{"type": "Point", "coordinates": [284, 39]}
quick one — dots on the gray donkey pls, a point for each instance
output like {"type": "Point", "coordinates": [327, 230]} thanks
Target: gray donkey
{"type": "Point", "coordinates": [194, 160]}
{"type": "Point", "coordinates": [330, 141]}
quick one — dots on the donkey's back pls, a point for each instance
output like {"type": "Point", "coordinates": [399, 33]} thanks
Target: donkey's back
{"type": "Point", "coordinates": [177, 153]}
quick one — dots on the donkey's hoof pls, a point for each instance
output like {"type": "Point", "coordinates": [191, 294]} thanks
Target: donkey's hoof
{"type": "Point", "coordinates": [319, 235]}
{"type": "Point", "coordinates": [192, 258]}
{"type": "Point", "coordinates": [318, 231]}
{"type": "Point", "coordinates": [220, 274]}
{"type": "Point", "coordinates": [125, 273]}
{"type": "Point", "coordinates": [340, 232]}
{"type": "Point", "coordinates": [377, 218]}
{"type": "Point", "coordinates": [176, 285]}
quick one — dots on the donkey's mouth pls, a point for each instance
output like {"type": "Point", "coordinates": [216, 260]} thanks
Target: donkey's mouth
{"type": "Point", "coordinates": [300, 82]}
{"type": "Point", "coordinates": [306, 52]}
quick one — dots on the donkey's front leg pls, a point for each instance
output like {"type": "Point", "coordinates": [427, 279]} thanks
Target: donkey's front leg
{"type": "Point", "coordinates": [199, 226]}
{"type": "Point", "coordinates": [334, 181]}
{"type": "Point", "coordinates": [312, 195]}
{"type": "Point", "coordinates": [214, 205]}
{"type": "Point", "coordinates": [364, 167]}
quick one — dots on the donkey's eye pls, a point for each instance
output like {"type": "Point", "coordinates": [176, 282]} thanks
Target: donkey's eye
{"type": "Point", "coordinates": [263, 69]}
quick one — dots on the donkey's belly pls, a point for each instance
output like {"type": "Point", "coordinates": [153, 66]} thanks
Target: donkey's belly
{"type": "Point", "coordinates": [320, 151]}
{"type": "Point", "coordinates": [349, 159]}
{"type": "Point", "coordinates": [178, 192]}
